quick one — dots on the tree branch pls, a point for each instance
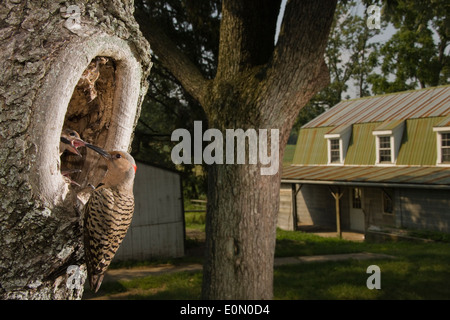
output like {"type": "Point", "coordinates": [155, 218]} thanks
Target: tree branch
{"type": "Point", "coordinates": [146, 125]}
{"type": "Point", "coordinates": [298, 58]}
{"type": "Point", "coordinates": [304, 32]}
{"type": "Point", "coordinates": [173, 59]}
{"type": "Point", "coordinates": [247, 33]}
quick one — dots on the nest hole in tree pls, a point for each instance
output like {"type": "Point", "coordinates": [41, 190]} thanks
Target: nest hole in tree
{"type": "Point", "coordinates": [89, 113]}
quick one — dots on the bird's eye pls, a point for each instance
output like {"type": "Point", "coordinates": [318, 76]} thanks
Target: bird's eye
{"type": "Point", "coordinates": [118, 156]}
{"type": "Point", "coordinates": [72, 134]}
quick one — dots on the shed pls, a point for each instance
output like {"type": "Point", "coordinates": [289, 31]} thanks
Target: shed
{"type": "Point", "coordinates": [157, 229]}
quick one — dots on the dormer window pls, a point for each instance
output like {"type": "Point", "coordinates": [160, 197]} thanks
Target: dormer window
{"type": "Point", "coordinates": [335, 153]}
{"type": "Point", "coordinates": [388, 139]}
{"type": "Point", "coordinates": [443, 143]}
{"type": "Point", "coordinates": [338, 139]}
{"type": "Point", "coordinates": [384, 149]}
{"type": "Point", "coordinates": [445, 147]}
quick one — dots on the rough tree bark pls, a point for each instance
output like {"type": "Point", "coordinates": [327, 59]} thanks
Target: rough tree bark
{"type": "Point", "coordinates": [45, 47]}
{"type": "Point", "coordinates": [257, 85]}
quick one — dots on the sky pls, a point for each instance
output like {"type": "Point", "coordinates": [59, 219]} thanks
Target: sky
{"type": "Point", "coordinates": [280, 19]}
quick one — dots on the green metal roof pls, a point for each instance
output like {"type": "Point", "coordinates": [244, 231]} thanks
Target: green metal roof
{"type": "Point", "coordinates": [444, 123]}
{"type": "Point", "coordinates": [311, 146]}
{"type": "Point", "coordinates": [400, 176]}
{"type": "Point", "coordinates": [425, 103]}
{"type": "Point", "coordinates": [418, 145]}
{"type": "Point", "coordinates": [417, 112]}
{"type": "Point", "coordinates": [361, 148]}
{"type": "Point", "coordinates": [389, 125]}
{"type": "Point", "coordinates": [420, 111]}
{"type": "Point", "coordinates": [419, 142]}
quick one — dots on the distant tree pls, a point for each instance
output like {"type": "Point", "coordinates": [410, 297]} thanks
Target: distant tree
{"type": "Point", "coordinates": [348, 51]}
{"type": "Point", "coordinates": [168, 106]}
{"type": "Point", "coordinates": [349, 55]}
{"type": "Point", "coordinates": [417, 55]}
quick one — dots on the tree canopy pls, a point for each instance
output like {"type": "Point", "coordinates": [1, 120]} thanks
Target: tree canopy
{"type": "Point", "coordinates": [417, 54]}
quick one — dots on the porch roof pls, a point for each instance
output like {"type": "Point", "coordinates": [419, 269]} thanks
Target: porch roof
{"type": "Point", "coordinates": [428, 177]}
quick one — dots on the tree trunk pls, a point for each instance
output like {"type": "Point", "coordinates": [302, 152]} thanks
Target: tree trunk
{"type": "Point", "coordinates": [241, 228]}
{"type": "Point", "coordinates": [243, 203]}
{"type": "Point", "coordinates": [259, 86]}
{"type": "Point", "coordinates": [45, 49]}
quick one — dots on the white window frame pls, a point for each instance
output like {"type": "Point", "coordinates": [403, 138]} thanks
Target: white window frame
{"type": "Point", "coordinates": [343, 138]}
{"type": "Point", "coordinates": [341, 158]}
{"type": "Point", "coordinates": [378, 148]}
{"type": "Point", "coordinates": [384, 195]}
{"type": "Point", "coordinates": [356, 197]}
{"type": "Point", "coordinates": [439, 131]}
{"type": "Point", "coordinates": [395, 135]}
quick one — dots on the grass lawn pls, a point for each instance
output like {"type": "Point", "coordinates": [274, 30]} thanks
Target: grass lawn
{"type": "Point", "coordinates": [195, 215]}
{"type": "Point", "coordinates": [420, 271]}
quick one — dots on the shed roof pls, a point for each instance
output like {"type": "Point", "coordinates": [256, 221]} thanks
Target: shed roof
{"type": "Point", "coordinates": [381, 176]}
{"type": "Point", "coordinates": [430, 102]}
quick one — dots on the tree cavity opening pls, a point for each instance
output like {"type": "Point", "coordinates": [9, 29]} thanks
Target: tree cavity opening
{"type": "Point", "coordinates": [104, 112]}
{"type": "Point", "coordinates": [89, 112]}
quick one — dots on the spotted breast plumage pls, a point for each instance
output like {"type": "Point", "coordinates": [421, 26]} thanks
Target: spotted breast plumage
{"type": "Point", "coordinates": [108, 215]}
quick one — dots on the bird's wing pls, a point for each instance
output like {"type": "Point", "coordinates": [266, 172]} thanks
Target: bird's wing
{"type": "Point", "coordinates": [106, 220]}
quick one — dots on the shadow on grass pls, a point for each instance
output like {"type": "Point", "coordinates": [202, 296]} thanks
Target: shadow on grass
{"type": "Point", "coordinates": [420, 272]}
{"type": "Point", "coordinates": [291, 244]}
{"type": "Point", "coordinates": [175, 286]}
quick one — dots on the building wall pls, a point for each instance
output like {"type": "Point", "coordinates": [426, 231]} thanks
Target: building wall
{"type": "Point", "coordinates": [157, 228]}
{"type": "Point", "coordinates": [423, 209]}
{"type": "Point", "coordinates": [285, 218]}
{"type": "Point", "coordinates": [412, 208]}
{"type": "Point", "coordinates": [345, 208]}
{"type": "Point", "coordinates": [316, 206]}
{"type": "Point", "coordinates": [373, 207]}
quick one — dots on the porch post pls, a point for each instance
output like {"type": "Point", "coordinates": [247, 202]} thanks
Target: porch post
{"type": "Point", "coordinates": [337, 196]}
{"type": "Point", "coordinates": [294, 205]}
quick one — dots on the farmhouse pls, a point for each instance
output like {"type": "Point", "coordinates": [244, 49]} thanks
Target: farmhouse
{"type": "Point", "coordinates": [370, 163]}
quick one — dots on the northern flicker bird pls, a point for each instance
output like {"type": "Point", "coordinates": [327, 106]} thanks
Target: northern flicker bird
{"type": "Point", "coordinates": [108, 214]}
{"type": "Point", "coordinates": [70, 141]}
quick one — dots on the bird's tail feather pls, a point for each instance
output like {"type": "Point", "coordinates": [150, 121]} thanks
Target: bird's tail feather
{"type": "Point", "coordinates": [95, 281]}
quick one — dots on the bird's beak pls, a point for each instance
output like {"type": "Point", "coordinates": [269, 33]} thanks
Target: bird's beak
{"type": "Point", "coordinates": [78, 143]}
{"type": "Point", "coordinates": [72, 145]}
{"type": "Point", "coordinates": [75, 144]}
{"type": "Point", "coordinates": [98, 150]}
